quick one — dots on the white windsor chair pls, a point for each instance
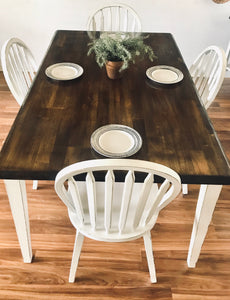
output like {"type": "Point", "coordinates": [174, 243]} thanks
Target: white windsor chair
{"type": "Point", "coordinates": [117, 17]}
{"type": "Point", "coordinates": [19, 69]}
{"type": "Point", "coordinates": [208, 71]}
{"type": "Point", "coordinates": [112, 211]}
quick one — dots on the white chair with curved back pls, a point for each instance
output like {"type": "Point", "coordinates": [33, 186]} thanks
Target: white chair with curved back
{"type": "Point", "coordinates": [19, 69]}
{"type": "Point", "coordinates": [112, 211]}
{"type": "Point", "coordinates": [208, 71]}
{"type": "Point", "coordinates": [117, 17]}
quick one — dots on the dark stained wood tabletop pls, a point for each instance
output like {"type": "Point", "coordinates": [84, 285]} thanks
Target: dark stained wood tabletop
{"type": "Point", "coordinates": [55, 123]}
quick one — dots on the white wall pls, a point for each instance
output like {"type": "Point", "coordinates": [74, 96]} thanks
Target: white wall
{"type": "Point", "coordinates": [195, 24]}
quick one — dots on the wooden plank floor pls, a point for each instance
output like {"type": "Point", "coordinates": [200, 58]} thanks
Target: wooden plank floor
{"type": "Point", "coordinates": [115, 271]}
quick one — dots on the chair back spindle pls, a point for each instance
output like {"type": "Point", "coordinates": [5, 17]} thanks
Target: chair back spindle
{"type": "Point", "coordinates": [91, 193]}
{"type": "Point", "coordinates": [144, 194]}
{"type": "Point", "coordinates": [228, 57]}
{"type": "Point", "coordinates": [108, 200]}
{"type": "Point", "coordinates": [75, 199]}
{"type": "Point", "coordinates": [126, 198]}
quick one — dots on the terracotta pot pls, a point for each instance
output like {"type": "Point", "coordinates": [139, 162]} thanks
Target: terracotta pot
{"type": "Point", "coordinates": [112, 68]}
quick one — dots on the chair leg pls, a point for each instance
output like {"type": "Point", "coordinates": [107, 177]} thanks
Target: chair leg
{"type": "Point", "coordinates": [184, 189]}
{"type": "Point", "coordinates": [76, 255]}
{"type": "Point", "coordinates": [35, 185]}
{"type": "Point", "coordinates": [149, 254]}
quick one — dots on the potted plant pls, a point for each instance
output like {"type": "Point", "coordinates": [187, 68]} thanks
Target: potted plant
{"type": "Point", "coordinates": [117, 50]}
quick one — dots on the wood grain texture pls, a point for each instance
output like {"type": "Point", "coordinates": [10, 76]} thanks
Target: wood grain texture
{"type": "Point", "coordinates": [54, 126]}
{"type": "Point", "coordinates": [115, 271]}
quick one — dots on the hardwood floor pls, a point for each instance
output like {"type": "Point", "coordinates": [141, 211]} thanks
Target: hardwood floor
{"type": "Point", "coordinates": [115, 271]}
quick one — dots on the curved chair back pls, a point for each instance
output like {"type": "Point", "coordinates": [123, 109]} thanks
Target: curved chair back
{"type": "Point", "coordinates": [112, 211]}
{"type": "Point", "coordinates": [115, 18]}
{"type": "Point", "coordinates": [19, 68]}
{"type": "Point", "coordinates": [208, 71]}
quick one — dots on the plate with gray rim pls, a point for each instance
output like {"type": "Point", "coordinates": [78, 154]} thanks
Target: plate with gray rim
{"type": "Point", "coordinates": [164, 74]}
{"type": "Point", "coordinates": [64, 71]}
{"type": "Point", "coordinates": [116, 141]}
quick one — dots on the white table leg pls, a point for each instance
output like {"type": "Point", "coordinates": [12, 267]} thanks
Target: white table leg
{"type": "Point", "coordinates": [206, 203]}
{"type": "Point", "coordinates": [16, 190]}
{"type": "Point", "coordinates": [35, 184]}
{"type": "Point", "coordinates": [184, 189]}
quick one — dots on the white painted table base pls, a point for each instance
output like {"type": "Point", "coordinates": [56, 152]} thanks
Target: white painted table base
{"type": "Point", "coordinates": [16, 190]}
{"type": "Point", "coordinates": [208, 196]}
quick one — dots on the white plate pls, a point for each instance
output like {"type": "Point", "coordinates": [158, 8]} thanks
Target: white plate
{"type": "Point", "coordinates": [64, 71]}
{"type": "Point", "coordinates": [116, 140]}
{"type": "Point", "coordinates": [164, 74]}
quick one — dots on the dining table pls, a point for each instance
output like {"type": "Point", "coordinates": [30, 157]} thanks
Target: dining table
{"type": "Point", "coordinates": [59, 115]}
